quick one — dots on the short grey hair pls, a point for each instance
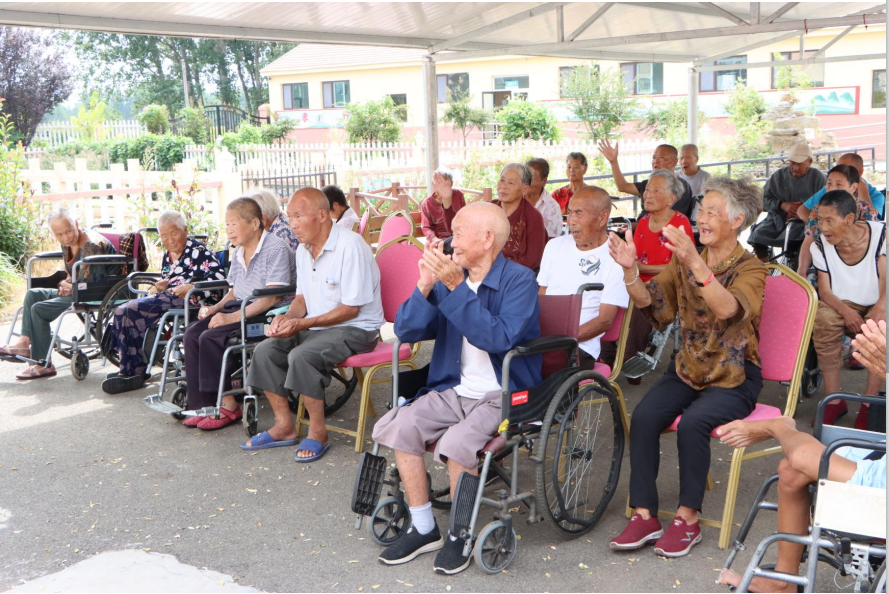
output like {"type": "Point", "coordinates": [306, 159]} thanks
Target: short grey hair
{"type": "Point", "coordinates": [62, 213]}
{"type": "Point", "coordinates": [445, 173]}
{"type": "Point", "coordinates": [172, 217]}
{"type": "Point", "coordinates": [673, 183]}
{"type": "Point", "coordinates": [268, 202]}
{"type": "Point", "coordinates": [689, 147]}
{"type": "Point", "coordinates": [525, 172]}
{"type": "Point", "coordinates": [742, 198]}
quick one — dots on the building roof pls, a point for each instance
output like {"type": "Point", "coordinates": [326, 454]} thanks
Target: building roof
{"type": "Point", "coordinates": [317, 56]}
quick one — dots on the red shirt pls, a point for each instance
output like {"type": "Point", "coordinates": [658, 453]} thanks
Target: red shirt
{"type": "Point", "coordinates": [527, 235]}
{"type": "Point", "coordinates": [650, 248]}
{"type": "Point", "coordinates": [435, 219]}
{"type": "Point", "coordinates": [563, 197]}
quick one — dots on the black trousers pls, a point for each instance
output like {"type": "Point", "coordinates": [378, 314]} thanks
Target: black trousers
{"type": "Point", "coordinates": [702, 411]}
{"type": "Point", "coordinates": [204, 347]}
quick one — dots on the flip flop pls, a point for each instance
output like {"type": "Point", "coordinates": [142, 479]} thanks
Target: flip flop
{"type": "Point", "coordinates": [264, 441]}
{"type": "Point", "coordinates": [28, 374]}
{"type": "Point", "coordinates": [310, 445]}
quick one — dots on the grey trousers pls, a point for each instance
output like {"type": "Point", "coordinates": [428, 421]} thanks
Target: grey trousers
{"type": "Point", "coordinates": [302, 364]}
{"type": "Point", "coordinates": [42, 306]}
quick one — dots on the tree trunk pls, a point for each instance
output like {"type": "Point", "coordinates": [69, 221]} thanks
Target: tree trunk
{"type": "Point", "coordinates": [247, 97]}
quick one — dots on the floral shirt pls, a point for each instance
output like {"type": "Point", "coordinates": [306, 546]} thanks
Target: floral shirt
{"type": "Point", "coordinates": [713, 351]}
{"type": "Point", "coordinates": [96, 245]}
{"type": "Point", "coordinates": [196, 263]}
{"type": "Point", "coordinates": [552, 214]}
{"type": "Point", "coordinates": [281, 229]}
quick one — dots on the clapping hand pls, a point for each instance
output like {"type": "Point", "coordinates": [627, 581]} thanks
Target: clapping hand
{"type": "Point", "coordinates": [681, 245]}
{"type": "Point", "coordinates": [440, 267]}
{"type": "Point", "coordinates": [623, 251]}
{"type": "Point", "coordinates": [870, 346]}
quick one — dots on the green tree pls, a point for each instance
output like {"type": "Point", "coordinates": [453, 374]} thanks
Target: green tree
{"type": "Point", "coordinates": [156, 118]}
{"type": "Point", "coordinates": [374, 121]}
{"type": "Point", "coordinates": [523, 119]}
{"type": "Point", "coordinates": [195, 124]}
{"type": "Point", "coordinates": [599, 99]}
{"type": "Point", "coordinates": [745, 108]}
{"type": "Point", "coordinates": [668, 121]}
{"type": "Point", "coordinates": [19, 215]}
{"type": "Point", "coordinates": [788, 78]}
{"type": "Point", "coordinates": [463, 116]}
{"type": "Point", "coordinates": [89, 123]}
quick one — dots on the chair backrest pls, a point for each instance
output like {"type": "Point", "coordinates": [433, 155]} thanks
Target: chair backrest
{"type": "Point", "coordinates": [362, 224]}
{"type": "Point", "coordinates": [788, 316]}
{"type": "Point", "coordinates": [130, 245]}
{"type": "Point", "coordinates": [559, 316]}
{"type": "Point", "coordinates": [397, 224]}
{"type": "Point", "coordinates": [399, 273]}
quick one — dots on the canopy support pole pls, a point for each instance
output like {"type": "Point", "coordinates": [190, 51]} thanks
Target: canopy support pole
{"type": "Point", "coordinates": [430, 88]}
{"type": "Point", "coordinates": [693, 106]}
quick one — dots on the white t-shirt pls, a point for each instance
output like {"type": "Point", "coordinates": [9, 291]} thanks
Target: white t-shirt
{"type": "Point", "coordinates": [477, 376]}
{"type": "Point", "coordinates": [565, 268]}
{"type": "Point", "coordinates": [551, 212]}
{"type": "Point", "coordinates": [860, 282]}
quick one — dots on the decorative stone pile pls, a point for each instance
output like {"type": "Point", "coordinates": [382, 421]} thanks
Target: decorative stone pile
{"type": "Point", "coordinates": [789, 128]}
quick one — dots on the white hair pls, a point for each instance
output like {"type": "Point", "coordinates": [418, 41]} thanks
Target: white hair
{"type": "Point", "coordinates": [62, 213]}
{"type": "Point", "coordinates": [445, 173]}
{"type": "Point", "coordinates": [525, 173]}
{"type": "Point", "coordinates": [172, 217]}
{"type": "Point", "coordinates": [268, 201]}
{"type": "Point", "coordinates": [742, 198]}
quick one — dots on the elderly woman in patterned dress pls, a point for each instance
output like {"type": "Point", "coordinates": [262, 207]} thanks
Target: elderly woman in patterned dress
{"type": "Point", "coordinates": [717, 374]}
{"type": "Point", "coordinates": [274, 220]}
{"type": "Point", "coordinates": [185, 262]}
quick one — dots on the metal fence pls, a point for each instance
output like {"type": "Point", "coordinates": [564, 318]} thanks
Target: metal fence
{"type": "Point", "coordinates": [285, 185]}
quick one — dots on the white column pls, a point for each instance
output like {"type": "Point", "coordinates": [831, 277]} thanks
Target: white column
{"type": "Point", "coordinates": [693, 106]}
{"type": "Point", "coordinates": [430, 87]}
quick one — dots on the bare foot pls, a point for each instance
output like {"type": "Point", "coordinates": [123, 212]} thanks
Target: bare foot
{"type": "Point", "coordinates": [732, 578]}
{"type": "Point", "coordinates": [741, 434]}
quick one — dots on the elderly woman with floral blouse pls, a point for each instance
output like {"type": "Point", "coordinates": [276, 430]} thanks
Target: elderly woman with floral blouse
{"type": "Point", "coordinates": [185, 262]}
{"type": "Point", "coordinates": [716, 376]}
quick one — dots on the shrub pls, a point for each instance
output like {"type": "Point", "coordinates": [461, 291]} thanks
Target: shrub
{"type": "Point", "coordinates": [668, 121]}
{"type": "Point", "coordinates": [156, 118]}
{"type": "Point", "coordinates": [247, 134]}
{"type": "Point", "coordinates": [11, 280]}
{"type": "Point", "coordinates": [271, 133]}
{"type": "Point", "coordinates": [745, 108]}
{"type": "Point", "coordinates": [170, 150]}
{"type": "Point", "coordinates": [523, 119]}
{"type": "Point", "coordinates": [195, 124]}
{"type": "Point", "coordinates": [154, 152]}
{"type": "Point", "coordinates": [374, 121]}
{"type": "Point", "coordinates": [462, 116]}
{"type": "Point", "coordinates": [89, 123]}
{"type": "Point", "coordinates": [599, 99]}
{"type": "Point", "coordinates": [230, 140]}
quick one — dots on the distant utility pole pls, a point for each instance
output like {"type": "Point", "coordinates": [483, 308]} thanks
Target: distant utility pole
{"type": "Point", "coordinates": [184, 81]}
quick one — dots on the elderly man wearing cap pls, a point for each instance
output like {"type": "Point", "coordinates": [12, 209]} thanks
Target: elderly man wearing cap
{"type": "Point", "coordinates": [783, 194]}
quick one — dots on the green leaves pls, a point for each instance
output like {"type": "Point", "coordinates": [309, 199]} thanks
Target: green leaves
{"type": "Point", "coordinates": [462, 116]}
{"type": "Point", "coordinates": [154, 152]}
{"type": "Point", "coordinates": [156, 118]}
{"type": "Point", "coordinates": [374, 121]}
{"type": "Point", "coordinates": [522, 119]}
{"type": "Point", "coordinates": [599, 99]}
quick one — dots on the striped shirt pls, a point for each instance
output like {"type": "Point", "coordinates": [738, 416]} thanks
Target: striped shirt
{"type": "Point", "coordinates": [272, 265]}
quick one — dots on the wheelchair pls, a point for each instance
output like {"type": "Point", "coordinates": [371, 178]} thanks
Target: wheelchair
{"type": "Point", "coordinates": [240, 345]}
{"type": "Point", "coordinates": [849, 521]}
{"type": "Point", "coordinates": [90, 302]}
{"type": "Point", "coordinates": [570, 427]}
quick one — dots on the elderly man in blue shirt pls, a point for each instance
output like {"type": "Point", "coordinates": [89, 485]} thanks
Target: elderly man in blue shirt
{"type": "Point", "coordinates": [477, 305]}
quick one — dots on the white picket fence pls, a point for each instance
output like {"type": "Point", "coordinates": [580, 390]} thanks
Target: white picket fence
{"type": "Point", "coordinates": [59, 132]}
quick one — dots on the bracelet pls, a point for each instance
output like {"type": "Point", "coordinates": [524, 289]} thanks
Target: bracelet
{"type": "Point", "coordinates": [634, 279]}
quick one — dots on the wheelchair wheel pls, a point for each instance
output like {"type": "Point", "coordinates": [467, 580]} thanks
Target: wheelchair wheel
{"type": "Point", "coordinates": [341, 385]}
{"type": "Point", "coordinates": [879, 583]}
{"type": "Point", "coordinates": [812, 381]}
{"type": "Point", "coordinates": [80, 365]}
{"type": "Point", "coordinates": [495, 547]}
{"type": "Point", "coordinates": [179, 397]}
{"type": "Point", "coordinates": [439, 484]}
{"type": "Point", "coordinates": [389, 522]}
{"type": "Point", "coordinates": [581, 449]}
{"type": "Point", "coordinates": [117, 296]}
{"type": "Point", "coordinates": [250, 417]}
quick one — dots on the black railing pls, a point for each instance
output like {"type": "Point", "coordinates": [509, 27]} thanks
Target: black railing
{"type": "Point", "coordinates": [222, 118]}
{"type": "Point", "coordinates": [285, 185]}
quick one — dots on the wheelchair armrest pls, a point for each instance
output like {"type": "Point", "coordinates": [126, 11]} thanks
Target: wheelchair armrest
{"type": "Point", "coordinates": [275, 291]}
{"type": "Point", "coordinates": [545, 344]}
{"type": "Point", "coordinates": [824, 464]}
{"type": "Point", "coordinates": [148, 230]}
{"type": "Point", "coordinates": [849, 396]}
{"type": "Point", "coordinates": [590, 287]}
{"type": "Point", "coordinates": [210, 285]}
{"type": "Point", "coordinates": [107, 259]}
{"type": "Point", "coordinates": [48, 256]}
{"type": "Point", "coordinates": [155, 276]}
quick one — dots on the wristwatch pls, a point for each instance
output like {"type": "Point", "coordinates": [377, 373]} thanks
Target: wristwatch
{"type": "Point", "coordinates": [709, 280]}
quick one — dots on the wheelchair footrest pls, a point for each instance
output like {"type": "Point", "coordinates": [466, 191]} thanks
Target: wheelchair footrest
{"type": "Point", "coordinates": [368, 484]}
{"type": "Point", "coordinates": [160, 405]}
{"type": "Point", "coordinates": [638, 366]}
{"type": "Point", "coordinates": [464, 503]}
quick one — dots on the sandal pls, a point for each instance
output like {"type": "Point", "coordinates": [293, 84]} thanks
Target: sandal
{"type": "Point", "coordinates": [33, 373]}
{"type": "Point", "coordinates": [264, 441]}
{"type": "Point", "coordinates": [226, 418]}
{"type": "Point", "coordinates": [311, 445]}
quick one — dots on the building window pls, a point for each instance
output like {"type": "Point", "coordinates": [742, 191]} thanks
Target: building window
{"type": "Point", "coordinates": [644, 78]}
{"type": "Point", "coordinates": [452, 86]}
{"type": "Point", "coordinates": [336, 93]}
{"type": "Point", "coordinates": [400, 101]}
{"type": "Point", "coordinates": [815, 72]}
{"type": "Point", "coordinates": [723, 80]}
{"type": "Point", "coordinates": [296, 96]}
{"type": "Point", "coordinates": [510, 83]}
{"type": "Point", "coordinates": [878, 99]}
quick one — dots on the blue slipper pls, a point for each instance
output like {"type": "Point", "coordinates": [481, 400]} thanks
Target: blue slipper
{"type": "Point", "coordinates": [313, 446]}
{"type": "Point", "coordinates": [264, 441]}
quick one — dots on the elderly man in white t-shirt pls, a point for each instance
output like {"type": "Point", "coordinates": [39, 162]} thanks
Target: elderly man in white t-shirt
{"type": "Point", "coordinates": [582, 257]}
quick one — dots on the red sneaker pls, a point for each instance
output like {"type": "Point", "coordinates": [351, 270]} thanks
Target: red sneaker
{"type": "Point", "coordinates": [638, 533]}
{"type": "Point", "coordinates": [226, 418]}
{"type": "Point", "coordinates": [679, 538]}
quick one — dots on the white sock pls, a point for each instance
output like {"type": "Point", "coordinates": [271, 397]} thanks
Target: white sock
{"type": "Point", "coordinates": [421, 518]}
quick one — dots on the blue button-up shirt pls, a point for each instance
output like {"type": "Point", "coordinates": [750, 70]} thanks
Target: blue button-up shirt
{"type": "Point", "coordinates": [504, 314]}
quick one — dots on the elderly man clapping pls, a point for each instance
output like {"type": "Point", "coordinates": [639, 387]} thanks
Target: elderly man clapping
{"type": "Point", "coordinates": [186, 261]}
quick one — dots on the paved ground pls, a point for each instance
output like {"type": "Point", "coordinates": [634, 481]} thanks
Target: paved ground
{"type": "Point", "coordinates": [82, 473]}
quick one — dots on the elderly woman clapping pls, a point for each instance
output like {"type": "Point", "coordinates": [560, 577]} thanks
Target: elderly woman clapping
{"type": "Point", "coordinates": [185, 262]}
{"type": "Point", "coordinates": [716, 376]}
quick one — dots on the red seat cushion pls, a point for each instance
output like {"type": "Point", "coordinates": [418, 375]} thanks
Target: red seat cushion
{"type": "Point", "coordinates": [382, 353]}
{"type": "Point", "coordinates": [601, 368]}
{"type": "Point", "coordinates": [760, 413]}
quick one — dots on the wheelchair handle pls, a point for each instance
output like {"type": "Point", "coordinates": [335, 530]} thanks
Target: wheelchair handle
{"type": "Point", "coordinates": [822, 406]}
{"type": "Point", "coordinates": [590, 287]}
{"type": "Point", "coordinates": [824, 464]}
{"type": "Point", "coordinates": [282, 291]}
{"type": "Point", "coordinates": [201, 287]}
